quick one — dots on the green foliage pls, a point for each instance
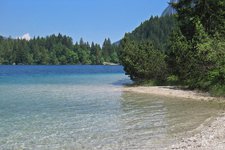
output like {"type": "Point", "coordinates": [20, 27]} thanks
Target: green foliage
{"type": "Point", "coordinates": [196, 52]}
{"type": "Point", "coordinates": [209, 12]}
{"type": "Point", "coordinates": [194, 47]}
{"type": "Point", "coordinates": [177, 59]}
{"type": "Point", "coordinates": [156, 29]}
{"type": "Point", "coordinates": [142, 51]}
{"type": "Point", "coordinates": [109, 51]}
{"type": "Point", "coordinates": [198, 63]}
{"type": "Point", "coordinates": [146, 83]}
{"type": "Point", "coordinates": [218, 90]}
{"type": "Point", "coordinates": [142, 61]}
{"type": "Point", "coordinates": [172, 80]}
{"type": "Point", "coordinates": [55, 50]}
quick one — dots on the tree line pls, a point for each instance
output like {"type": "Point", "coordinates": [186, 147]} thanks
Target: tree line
{"type": "Point", "coordinates": [193, 52]}
{"type": "Point", "coordinates": [55, 50]}
{"type": "Point", "coordinates": [156, 29]}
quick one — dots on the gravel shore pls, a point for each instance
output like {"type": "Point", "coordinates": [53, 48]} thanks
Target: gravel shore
{"type": "Point", "coordinates": [210, 137]}
{"type": "Point", "coordinates": [205, 137]}
{"type": "Point", "coordinates": [170, 91]}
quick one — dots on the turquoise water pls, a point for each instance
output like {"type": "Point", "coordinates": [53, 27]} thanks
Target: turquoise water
{"type": "Point", "coordinates": [84, 107]}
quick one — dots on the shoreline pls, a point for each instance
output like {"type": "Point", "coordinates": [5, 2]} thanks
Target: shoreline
{"type": "Point", "coordinates": [207, 136]}
{"type": "Point", "coordinates": [172, 91]}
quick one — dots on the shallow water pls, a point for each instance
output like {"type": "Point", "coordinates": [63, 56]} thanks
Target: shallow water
{"type": "Point", "coordinates": [83, 107]}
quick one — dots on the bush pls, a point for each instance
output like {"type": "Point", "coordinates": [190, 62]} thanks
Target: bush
{"type": "Point", "coordinates": [172, 80]}
{"type": "Point", "coordinates": [218, 90]}
{"type": "Point", "coordinates": [142, 61]}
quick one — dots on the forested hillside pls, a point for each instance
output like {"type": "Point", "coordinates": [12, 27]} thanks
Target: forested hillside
{"type": "Point", "coordinates": [156, 29]}
{"type": "Point", "coordinates": [55, 49]}
{"type": "Point", "coordinates": [194, 52]}
{"type": "Point", "coordinates": [60, 49]}
{"type": "Point", "coordinates": [143, 50]}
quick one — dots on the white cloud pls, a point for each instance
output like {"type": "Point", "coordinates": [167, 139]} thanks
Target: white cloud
{"type": "Point", "coordinates": [26, 36]}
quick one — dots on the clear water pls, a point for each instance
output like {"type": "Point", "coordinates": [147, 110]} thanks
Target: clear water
{"type": "Point", "coordinates": [84, 107]}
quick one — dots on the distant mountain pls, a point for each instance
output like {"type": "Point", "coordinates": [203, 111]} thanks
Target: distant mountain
{"type": "Point", "coordinates": [117, 43]}
{"type": "Point", "coordinates": [170, 10]}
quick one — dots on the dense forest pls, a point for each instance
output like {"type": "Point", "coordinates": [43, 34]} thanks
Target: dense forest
{"type": "Point", "coordinates": [143, 50]}
{"type": "Point", "coordinates": [156, 29]}
{"type": "Point", "coordinates": [60, 49]}
{"type": "Point", "coordinates": [54, 50]}
{"type": "Point", "coordinates": [191, 54]}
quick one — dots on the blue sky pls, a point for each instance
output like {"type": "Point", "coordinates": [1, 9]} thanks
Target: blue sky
{"type": "Point", "coordinates": [93, 20]}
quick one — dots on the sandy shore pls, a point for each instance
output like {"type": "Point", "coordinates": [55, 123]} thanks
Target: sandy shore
{"type": "Point", "coordinates": [169, 91]}
{"type": "Point", "coordinates": [207, 137]}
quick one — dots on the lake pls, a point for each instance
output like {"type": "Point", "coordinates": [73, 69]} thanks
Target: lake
{"type": "Point", "coordinates": [84, 107]}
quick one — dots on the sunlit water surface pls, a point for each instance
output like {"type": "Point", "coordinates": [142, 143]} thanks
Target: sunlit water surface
{"type": "Point", "coordinates": [84, 107]}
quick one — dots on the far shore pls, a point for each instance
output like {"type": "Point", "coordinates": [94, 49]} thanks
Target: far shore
{"type": "Point", "coordinates": [110, 64]}
{"type": "Point", "coordinates": [172, 91]}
